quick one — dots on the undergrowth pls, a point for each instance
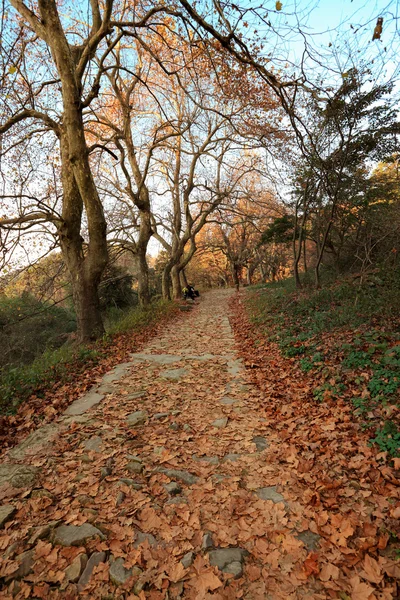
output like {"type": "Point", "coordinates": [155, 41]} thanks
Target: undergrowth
{"type": "Point", "coordinates": [346, 337]}
{"type": "Point", "coordinates": [19, 381]}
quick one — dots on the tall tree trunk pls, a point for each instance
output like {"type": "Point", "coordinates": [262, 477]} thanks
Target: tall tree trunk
{"type": "Point", "coordinates": [145, 233]}
{"type": "Point", "coordinates": [166, 282]}
{"type": "Point", "coordinates": [305, 256]}
{"type": "Point", "coordinates": [84, 268]}
{"type": "Point", "coordinates": [176, 282]}
{"type": "Point", "coordinates": [85, 265]}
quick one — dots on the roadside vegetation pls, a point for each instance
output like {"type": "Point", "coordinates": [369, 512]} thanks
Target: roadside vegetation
{"type": "Point", "coordinates": [39, 349]}
{"type": "Point", "coordinates": [346, 338]}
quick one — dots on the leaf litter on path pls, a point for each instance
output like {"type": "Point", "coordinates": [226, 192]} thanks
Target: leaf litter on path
{"type": "Point", "coordinates": [327, 538]}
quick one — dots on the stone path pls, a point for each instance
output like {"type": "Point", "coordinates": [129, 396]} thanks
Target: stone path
{"type": "Point", "coordinates": [158, 483]}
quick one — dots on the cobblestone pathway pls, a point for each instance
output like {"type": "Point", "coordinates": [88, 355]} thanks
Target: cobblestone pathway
{"type": "Point", "coordinates": [158, 483]}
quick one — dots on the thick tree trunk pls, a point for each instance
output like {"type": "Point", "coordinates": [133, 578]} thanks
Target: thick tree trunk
{"type": "Point", "coordinates": [176, 283]}
{"type": "Point", "coordinates": [87, 307]}
{"type": "Point", "coordinates": [84, 266]}
{"type": "Point", "coordinates": [166, 282]}
{"type": "Point", "coordinates": [235, 276]}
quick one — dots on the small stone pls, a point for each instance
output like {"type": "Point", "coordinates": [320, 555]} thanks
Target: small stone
{"type": "Point", "coordinates": [11, 550]}
{"type": "Point", "coordinates": [120, 498]}
{"type": "Point", "coordinates": [173, 488]}
{"type": "Point", "coordinates": [93, 444]}
{"type": "Point", "coordinates": [234, 568]}
{"type": "Point", "coordinates": [75, 535]}
{"type": "Point", "coordinates": [176, 590]}
{"type": "Point", "coordinates": [134, 458]}
{"type": "Point", "coordinates": [162, 415]}
{"type": "Point", "coordinates": [84, 403]}
{"type": "Point", "coordinates": [135, 467]}
{"type": "Point", "coordinates": [6, 512]}
{"type": "Point", "coordinates": [219, 478]}
{"type": "Point", "coordinates": [184, 476]}
{"type": "Point", "coordinates": [73, 572]}
{"type": "Point", "coordinates": [25, 561]}
{"type": "Point", "coordinates": [212, 460]}
{"type": "Point", "coordinates": [220, 423]}
{"type": "Point", "coordinates": [309, 539]}
{"type": "Point", "coordinates": [141, 538]}
{"type": "Point", "coordinates": [137, 418]}
{"type": "Point", "coordinates": [187, 427]}
{"type": "Point", "coordinates": [222, 557]}
{"type": "Point", "coordinates": [231, 457]}
{"type": "Point", "coordinates": [138, 587]}
{"type": "Point", "coordinates": [91, 514]}
{"type": "Point", "coordinates": [207, 541]}
{"type": "Point", "coordinates": [177, 500]}
{"type": "Point", "coordinates": [188, 559]}
{"type": "Point", "coordinates": [119, 575]}
{"type": "Point", "coordinates": [270, 493]}
{"type": "Point", "coordinates": [174, 413]}
{"type": "Point", "coordinates": [42, 531]}
{"type": "Point", "coordinates": [174, 426]}
{"type": "Point", "coordinates": [174, 374]}
{"type": "Point", "coordinates": [228, 401]}
{"type": "Point", "coordinates": [41, 493]}
{"type": "Point", "coordinates": [85, 458]}
{"type": "Point", "coordinates": [94, 561]}
{"type": "Point", "coordinates": [84, 499]}
{"type": "Point", "coordinates": [131, 483]}
{"type": "Point", "coordinates": [105, 472]}
{"type": "Point", "coordinates": [260, 442]}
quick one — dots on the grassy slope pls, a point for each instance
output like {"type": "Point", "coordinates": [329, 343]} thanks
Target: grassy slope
{"type": "Point", "coordinates": [33, 394]}
{"type": "Point", "coordinates": [347, 339]}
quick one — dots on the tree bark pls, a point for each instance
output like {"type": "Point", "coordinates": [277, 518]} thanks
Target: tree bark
{"type": "Point", "coordinates": [85, 263]}
{"type": "Point", "coordinates": [235, 276]}
{"type": "Point", "coordinates": [176, 283]}
{"type": "Point", "coordinates": [85, 268]}
{"type": "Point", "coordinates": [166, 282]}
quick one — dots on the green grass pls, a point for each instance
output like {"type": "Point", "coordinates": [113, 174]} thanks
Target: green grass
{"type": "Point", "coordinates": [18, 382]}
{"type": "Point", "coordinates": [345, 332]}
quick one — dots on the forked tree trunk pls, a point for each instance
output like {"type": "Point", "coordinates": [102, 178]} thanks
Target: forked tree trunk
{"type": "Point", "coordinates": [85, 265]}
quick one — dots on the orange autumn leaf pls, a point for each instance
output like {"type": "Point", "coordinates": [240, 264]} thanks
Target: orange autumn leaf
{"type": "Point", "coordinates": [310, 565]}
{"type": "Point", "coordinates": [42, 549]}
{"type": "Point", "coordinates": [204, 582]}
{"type": "Point", "coordinates": [329, 571]}
{"type": "Point", "coordinates": [176, 572]}
{"type": "Point", "coordinates": [360, 591]}
{"type": "Point", "coordinates": [371, 570]}
{"type": "Point", "coordinates": [393, 569]}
